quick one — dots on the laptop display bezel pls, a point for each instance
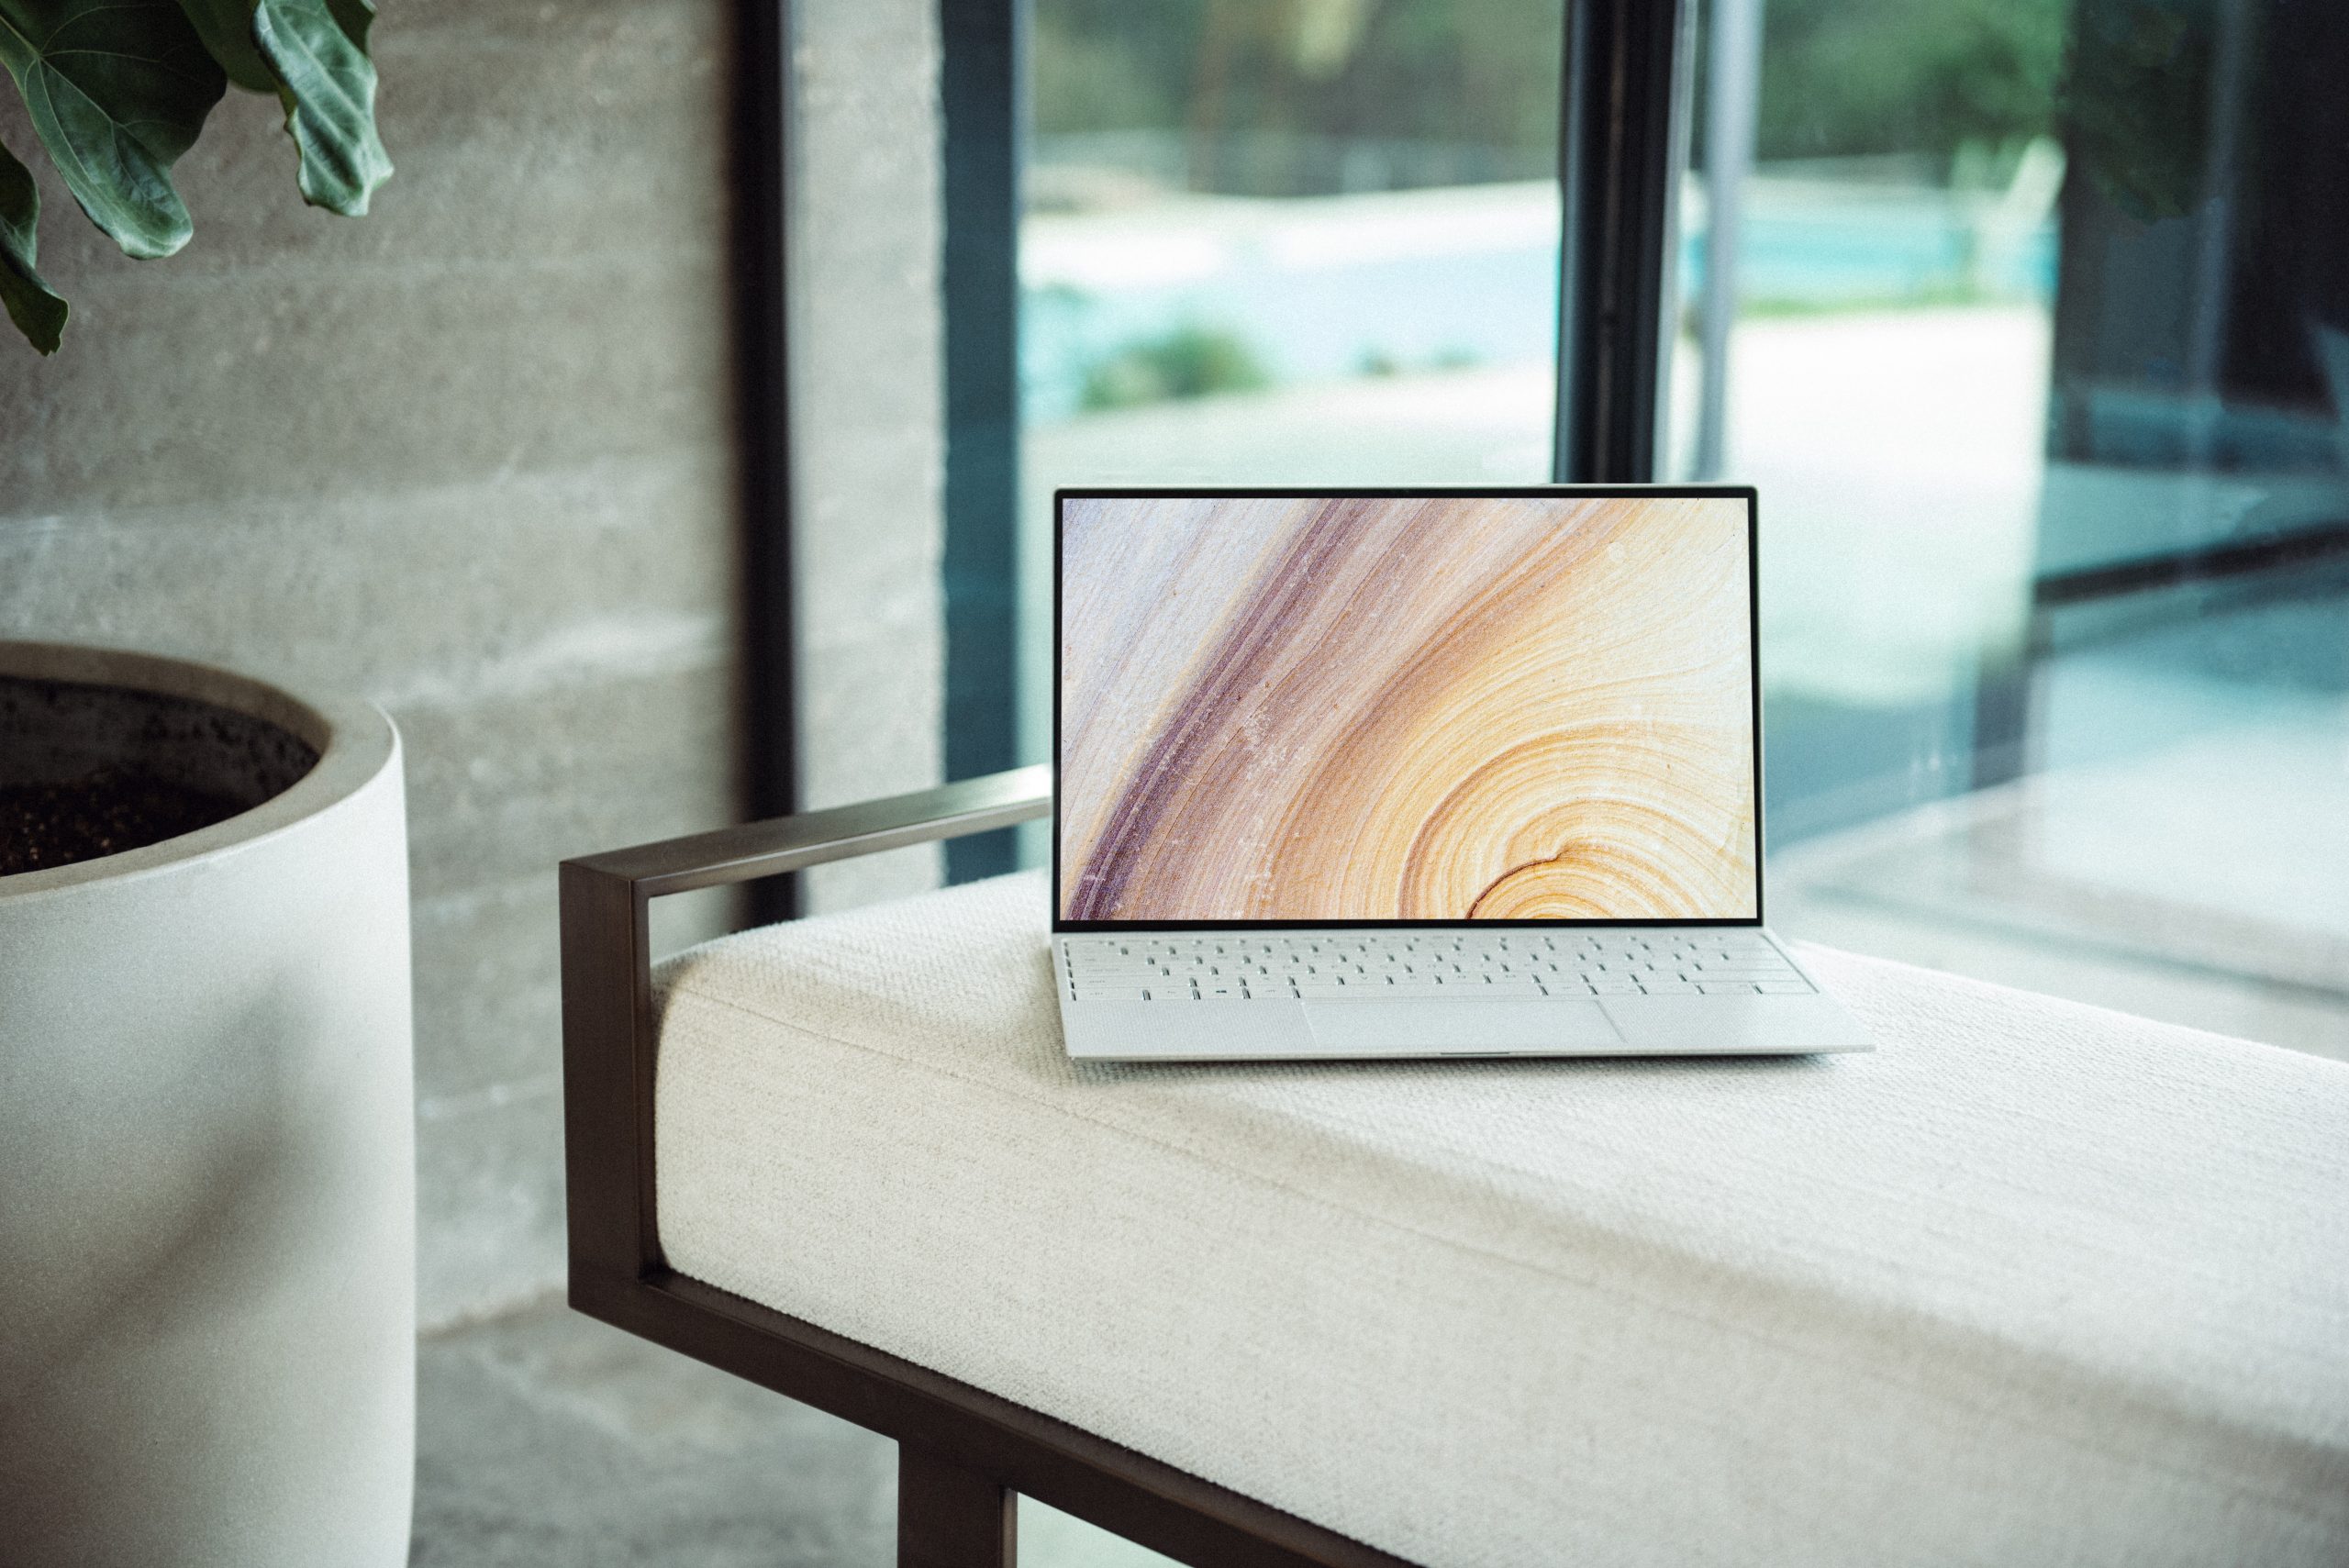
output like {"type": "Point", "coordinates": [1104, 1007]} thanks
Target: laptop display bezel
{"type": "Point", "coordinates": [1745, 493]}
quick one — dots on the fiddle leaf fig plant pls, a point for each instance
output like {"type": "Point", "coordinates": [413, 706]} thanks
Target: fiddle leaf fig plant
{"type": "Point", "coordinates": [116, 90]}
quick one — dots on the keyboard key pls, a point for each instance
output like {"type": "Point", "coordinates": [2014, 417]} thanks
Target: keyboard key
{"type": "Point", "coordinates": [1448, 964]}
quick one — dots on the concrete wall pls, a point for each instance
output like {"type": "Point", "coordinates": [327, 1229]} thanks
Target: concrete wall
{"type": "Point", "coordinates": [474, 457]}
{"type": "Point", "coordinates": [868, 408]}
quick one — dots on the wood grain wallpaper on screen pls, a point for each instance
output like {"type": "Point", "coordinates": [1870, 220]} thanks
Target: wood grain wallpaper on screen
{"type": "Point", "coordinates": [1406, 708]}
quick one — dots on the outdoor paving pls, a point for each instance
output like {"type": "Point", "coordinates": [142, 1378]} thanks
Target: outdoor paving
{"type": "Point", "coordinates": [546, 1439]}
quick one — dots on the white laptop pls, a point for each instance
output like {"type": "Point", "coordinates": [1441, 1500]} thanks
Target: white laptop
{"type": "Point", "coordinates": [1437, 772]}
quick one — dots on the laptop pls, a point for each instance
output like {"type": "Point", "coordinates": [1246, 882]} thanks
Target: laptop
{"type": "Point", "coordinates": [1353, 773]}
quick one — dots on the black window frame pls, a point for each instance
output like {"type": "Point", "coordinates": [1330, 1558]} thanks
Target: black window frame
{"type": "Point", "coordinates": [759, 169]}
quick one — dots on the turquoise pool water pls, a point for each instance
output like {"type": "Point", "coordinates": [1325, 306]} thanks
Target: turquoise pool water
{"type": "Point", "coordinates": [1499, 307]}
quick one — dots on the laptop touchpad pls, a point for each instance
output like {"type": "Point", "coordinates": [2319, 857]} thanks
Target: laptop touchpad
{"type": "Point", "coordinates": [1416, 1025]}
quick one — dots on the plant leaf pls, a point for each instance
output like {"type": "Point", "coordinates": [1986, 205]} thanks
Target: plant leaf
{"type": "Point", "coordinates": [117, 90]}
{"type": "Point", "coordinates": [38, 310]}
{"type": "Point", "coordinates": [227, 29]}
{"type": "Point", "coordinates": [313, 55]}
{"type": "Point", "coordinates": [328, 89]}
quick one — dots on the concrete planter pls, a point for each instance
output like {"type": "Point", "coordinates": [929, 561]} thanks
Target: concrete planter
{"type": "Point", "coordinates": [207, 1255]}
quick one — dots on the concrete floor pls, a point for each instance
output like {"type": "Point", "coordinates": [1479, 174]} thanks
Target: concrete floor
{"type": "Point", "coordinates": [546, 1439]}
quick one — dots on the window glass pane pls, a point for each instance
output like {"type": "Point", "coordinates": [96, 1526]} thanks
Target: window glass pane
{"type": "Point", "coordinates": [1283, 243]}
{"type": "Point", "coordinates": [1050, 1539]}
{"type": "Point", "coordinates": [2030, 321]}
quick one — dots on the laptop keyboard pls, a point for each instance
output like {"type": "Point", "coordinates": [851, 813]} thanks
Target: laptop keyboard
{"type": "Point", "coordinates": [1331, 965]}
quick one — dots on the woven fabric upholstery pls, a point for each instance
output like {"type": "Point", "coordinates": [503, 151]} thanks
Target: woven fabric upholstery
{"type": "Point", "coordinates": [2033, 1284]}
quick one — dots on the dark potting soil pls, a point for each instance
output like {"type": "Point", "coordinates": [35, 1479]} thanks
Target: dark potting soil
{"type": "Point", "coordinates": [104, 813]}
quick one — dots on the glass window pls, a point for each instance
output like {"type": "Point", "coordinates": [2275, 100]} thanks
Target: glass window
{"type": "Point", "coordinates": [1281, 243]}
{"type": "Point", "coordinates": [2030, 319]}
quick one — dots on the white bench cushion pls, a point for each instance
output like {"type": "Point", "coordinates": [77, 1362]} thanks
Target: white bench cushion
{"type": "Point", "coordinates": [2035, 1283]}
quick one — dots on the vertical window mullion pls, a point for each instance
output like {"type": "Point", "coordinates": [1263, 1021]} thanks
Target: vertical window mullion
{"type": "Point", "coordinates": [1623, 126]}
{"type": "Point", "coordinates": [982, 44]}
{"type": "Point", "coordinates": [761, 158]}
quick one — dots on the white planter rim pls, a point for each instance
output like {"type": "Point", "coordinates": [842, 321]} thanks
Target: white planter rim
{"type": "Point", "coordinates": [354, 739]}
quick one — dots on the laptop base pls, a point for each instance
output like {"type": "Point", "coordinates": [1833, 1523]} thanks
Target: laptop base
{"type": "Point", "coordinates": [1280, 1028]}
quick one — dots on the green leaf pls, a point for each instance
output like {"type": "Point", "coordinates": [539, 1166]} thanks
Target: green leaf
{"type": "Point", "coordinates": [313, 55]}
{"type": "Point", "coordinates": [35, 308]}
{"type": "Point", "coordinates": [227, 29]}
{"type": "Point", "coordinates": [117, 90]}
{"type": "Point", "coordinates": [328, 88]}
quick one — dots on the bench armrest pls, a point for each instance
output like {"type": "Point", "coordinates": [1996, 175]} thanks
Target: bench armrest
{"type": "Point", "coordinates": [607, 1015]}
{"type": "Point", "coordinates": [782, 844]}
{"type": "Point", "coordinates": [958, 1446]}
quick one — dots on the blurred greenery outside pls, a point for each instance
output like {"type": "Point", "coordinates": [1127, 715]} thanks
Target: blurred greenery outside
{"type": "Point", "coordinates": [1191, 361]}
{"type": "Point", "coordinates": [1934, 78]}
{"type": "Point", "coordinates": [1298, 99]}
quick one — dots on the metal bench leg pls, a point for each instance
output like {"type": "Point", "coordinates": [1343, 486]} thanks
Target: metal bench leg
{"type": "Point", "coordinates": [949, 1517]}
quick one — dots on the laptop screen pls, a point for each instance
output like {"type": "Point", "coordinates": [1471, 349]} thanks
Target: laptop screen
{"type": "Point", "coordinates": [1527, 705]}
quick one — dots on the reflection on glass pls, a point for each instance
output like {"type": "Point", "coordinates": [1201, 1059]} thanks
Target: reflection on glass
{"type": "Point", "coordinates": [2030, 321]}
{"type": "Point", "coordinates": [1274, 243]}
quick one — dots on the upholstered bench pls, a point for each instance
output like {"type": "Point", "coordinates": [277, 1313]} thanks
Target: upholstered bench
{"type": "Point", "coordinates": [2034, 1283]}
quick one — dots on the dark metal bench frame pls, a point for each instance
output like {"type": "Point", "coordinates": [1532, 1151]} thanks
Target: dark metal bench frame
{"type": "Point", "coordinates": [963, 1454]}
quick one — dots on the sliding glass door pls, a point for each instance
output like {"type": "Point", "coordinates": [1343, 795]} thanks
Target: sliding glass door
{"type": "Point", "coordinates": [2030, 320]}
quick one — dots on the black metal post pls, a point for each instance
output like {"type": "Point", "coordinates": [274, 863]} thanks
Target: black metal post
{"type": "Point", "coordinates": [951, 1517]}
{"type": "Point", "coordinates": [1623, 140]}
